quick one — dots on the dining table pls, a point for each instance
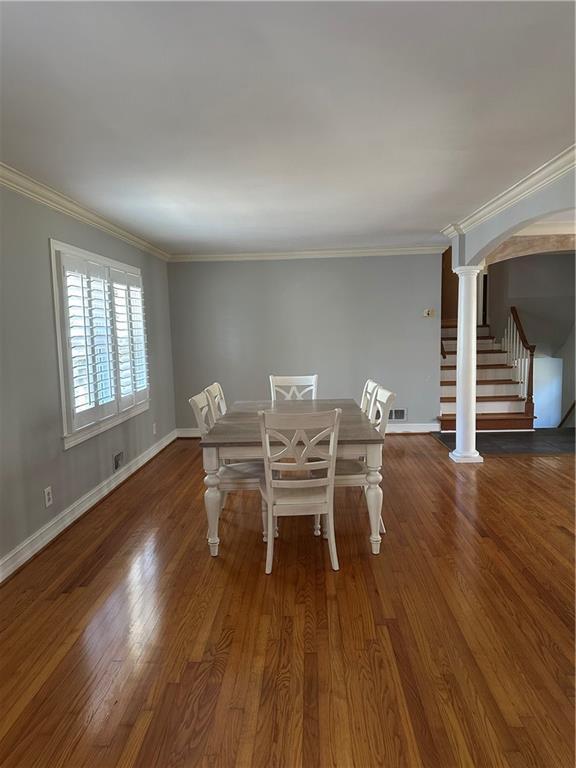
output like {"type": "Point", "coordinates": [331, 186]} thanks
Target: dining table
{"type": "Point", "coordinates": [236, 437]}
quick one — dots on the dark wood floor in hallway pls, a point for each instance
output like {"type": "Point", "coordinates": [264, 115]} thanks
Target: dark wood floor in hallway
{"type": "Point", "coordinates": [124, 644]}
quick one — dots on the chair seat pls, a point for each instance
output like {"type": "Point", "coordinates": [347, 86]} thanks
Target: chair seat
{"type": "Point", "coordinates": [350, 467]}
{"type": "Point", "coordinates": [244, 474]}
{"type": "Point", "coordinates": [285, 497]}
{"type": "Point", "coordinates": [346, 468]}
{"type": "Point", "coordinates": [350, 473]}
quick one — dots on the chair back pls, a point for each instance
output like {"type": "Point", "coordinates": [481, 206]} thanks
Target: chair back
{"type": "Point", "coordinates": [293, 387]}
{"type": "Point", "coordinates": [380, 411]}
{"type": "Point", "coordinates": [368, 394]}
{"type": "Point", "coordinates": [217, 400]}
{"type": "Point", "coordinates": [300, 450]}
{"type": "Point", "coordinates": [202, 408]}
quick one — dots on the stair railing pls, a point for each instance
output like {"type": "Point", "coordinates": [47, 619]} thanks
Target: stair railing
{"type": "Point", "coordinates": [520, 354]}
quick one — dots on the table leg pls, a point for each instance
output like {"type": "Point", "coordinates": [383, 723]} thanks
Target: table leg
{"type": "Point", "coordinates": [212, 497]}
{"type": "Point", "coordinates": [374, 494]}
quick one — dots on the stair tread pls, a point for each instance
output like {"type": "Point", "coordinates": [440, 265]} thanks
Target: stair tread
{"type": "Point", "coordinates": [487, 416]}
{"type": "Point", "coordinates": [487, 398]}
{"type": "Point", "coordinates": [454, 324]}
{"type": "Point", "coordinates": [478, 338]}
{"type": "Point", "coordinates": [452, 382]}
{"type": "Point", "coordinates": [482, 352]}
{"type": "Point", "coordinates": [484, 366]}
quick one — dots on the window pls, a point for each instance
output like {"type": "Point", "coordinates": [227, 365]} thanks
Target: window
{"type": "Point", "coordinates": [101, 334]}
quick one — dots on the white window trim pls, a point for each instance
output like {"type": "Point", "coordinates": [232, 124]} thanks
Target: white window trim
{"type": "Point", "coordinates": [74, 437]}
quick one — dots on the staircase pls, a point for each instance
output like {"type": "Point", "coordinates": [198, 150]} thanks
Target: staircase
{"type": "Point", "coordinates": [503, 380]}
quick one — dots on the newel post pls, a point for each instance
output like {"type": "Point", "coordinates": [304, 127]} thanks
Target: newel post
{"type": "Point", "coordinates": [465, 450]}
{"type": "Point", "coordinates": [529, 406]}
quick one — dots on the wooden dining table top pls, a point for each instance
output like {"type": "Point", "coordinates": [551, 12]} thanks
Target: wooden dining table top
{"type": "Point", "coordinates": [240, 424]}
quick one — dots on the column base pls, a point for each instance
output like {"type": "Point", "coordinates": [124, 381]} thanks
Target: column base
{"type": "Point", "coordinates": [466, 458]}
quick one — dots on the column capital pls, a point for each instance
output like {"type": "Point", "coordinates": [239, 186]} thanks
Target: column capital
{"type": "Point", "coordinates": [468, 270]}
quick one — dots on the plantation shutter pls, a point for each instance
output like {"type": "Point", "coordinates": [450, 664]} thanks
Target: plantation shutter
{"type": "Point", "coordinates": [101, 335]}
{"type": "Point", "coordinates": [129, 321]}
{"type": "Point", "coordinates": [90, 341]}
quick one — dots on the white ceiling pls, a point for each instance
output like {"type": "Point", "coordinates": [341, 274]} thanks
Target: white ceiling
{"type": "Point", "coordinates": [230, 127]}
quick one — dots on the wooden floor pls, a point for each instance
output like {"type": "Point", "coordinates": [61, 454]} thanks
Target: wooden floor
{"type": "Point", "coordinates": [125, 644]}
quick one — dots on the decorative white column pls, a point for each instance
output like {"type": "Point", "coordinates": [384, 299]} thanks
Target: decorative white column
{"type": "Point", "coordinates": [465, 450]}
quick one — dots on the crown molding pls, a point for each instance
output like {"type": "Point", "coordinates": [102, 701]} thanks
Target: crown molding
{"type": "Point", "coordinates": [41, 193]}
{"type": "Point", "coordinates": [391, 250]}
{"type": "Point", "coordinates": [451, 231]}
{"type": "Point", "coordinates": [541, 177]}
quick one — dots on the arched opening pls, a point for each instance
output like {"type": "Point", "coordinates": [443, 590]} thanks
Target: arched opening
{"type": "Point", "coordinates": [533, 271]}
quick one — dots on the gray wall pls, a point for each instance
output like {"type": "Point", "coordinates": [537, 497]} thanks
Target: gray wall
{"type": "Point", "coordinates": [31, 451]}
{"type": "Point", "coordinates": [345, 319]}
{"type": "Point", "coordinates": [566, 352]}
{"type": "Point", "coordinates": [541, 286]}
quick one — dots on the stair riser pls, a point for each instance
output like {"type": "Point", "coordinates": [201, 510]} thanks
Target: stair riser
{"type": "Point", "coordinates": [482, 358]}
{"type": "Point", "coordinates": [486, 358]}
{"type": "Point", "coordinates": [484, 390]}
{"type": "Point", "coordinates": [481, 373]}
{"type": "Point", "coordinates": [450, 333]}
{"type": "Point", "coordinates": [491, 425]}
{"type": "Point", "coordinates": [495, 373]}
{"type": "Point", "coordinates": [450, 344]}
{"type": "Point", "coordinates": [488, 406]}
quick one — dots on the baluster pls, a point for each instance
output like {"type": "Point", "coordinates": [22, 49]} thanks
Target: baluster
{"type": "Point", "coordinates": [524, 373]}
{"type": "Point", "coordinates": [513, 345]}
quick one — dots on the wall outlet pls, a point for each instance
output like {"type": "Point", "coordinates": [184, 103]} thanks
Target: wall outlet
{"type": "Point", "coordinates": [48, 496]}
{"type": "Point", "coordinates": [429, 312]}
{"type": "Point", "coordinates": [154, 429]}
{"type": "Point", "coordinates": [118, 460]}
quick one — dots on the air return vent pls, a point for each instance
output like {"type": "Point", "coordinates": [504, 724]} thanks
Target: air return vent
{"type": "Point", "coordinates": [398, 414]}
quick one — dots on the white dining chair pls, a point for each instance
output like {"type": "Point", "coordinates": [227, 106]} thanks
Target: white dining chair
{"type": "Point", "coordinates": [293, 387]}
{"type": "Point", "coordinates": [217, 400]}
{"type": "Point", "coordinates": [240, 476]}
{"type": "Point", "coordinates": [368, 394]}
{"type": "Point", "coordinates": [203, 412]}
{"type": "Point", "coordinates": [299, 463]}
{"type": "Point", "coordinates": [352, 473]}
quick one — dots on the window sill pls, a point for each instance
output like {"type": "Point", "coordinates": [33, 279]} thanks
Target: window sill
{"type": "Point", "coordinates": [102, 426]}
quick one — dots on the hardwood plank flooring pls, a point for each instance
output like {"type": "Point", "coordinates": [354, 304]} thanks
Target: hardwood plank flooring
{"type": "Point", "coordinates": [125, 644]}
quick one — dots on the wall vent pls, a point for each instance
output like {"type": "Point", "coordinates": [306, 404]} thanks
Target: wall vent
{"type": "Point", "coordinates": [398, 414]}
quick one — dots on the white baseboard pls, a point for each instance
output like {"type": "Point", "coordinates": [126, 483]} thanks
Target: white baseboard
{"type": "Point", "coordinates": [188, 432]}
{"type": "Point", "coordinates": [43, 536]}
{"type": "Point", "coordinates": [405, 427]}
